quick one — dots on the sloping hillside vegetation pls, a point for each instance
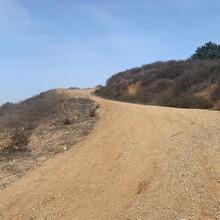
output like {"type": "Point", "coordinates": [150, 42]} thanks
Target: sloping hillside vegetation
{"type": "Point", "coordinates": [193, 83]}
{"type": "Point", "coordinates": [38, 128]}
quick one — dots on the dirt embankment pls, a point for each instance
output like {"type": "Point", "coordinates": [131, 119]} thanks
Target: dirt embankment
{"type": "Point", "coordinates": [140, 162]}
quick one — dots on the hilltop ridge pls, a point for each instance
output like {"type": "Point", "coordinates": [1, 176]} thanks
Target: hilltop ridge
{"type": "Point", "coordinates": [191, 83]}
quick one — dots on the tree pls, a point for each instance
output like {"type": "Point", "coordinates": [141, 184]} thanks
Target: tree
{"type": "Point", "coordinates": [209, 50]}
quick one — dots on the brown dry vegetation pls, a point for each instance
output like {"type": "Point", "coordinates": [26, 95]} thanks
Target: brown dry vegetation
{"type": "Point", "coordinates": [40, 127]}
{"type": "Point", "coordinates": [173, 83]}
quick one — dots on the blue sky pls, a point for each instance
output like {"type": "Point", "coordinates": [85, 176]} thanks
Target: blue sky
{"type": "Point", "coordinates": [47, 44]}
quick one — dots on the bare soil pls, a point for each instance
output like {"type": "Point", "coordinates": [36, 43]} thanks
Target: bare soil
{"type": "Point", "coordinates": [140, 162]}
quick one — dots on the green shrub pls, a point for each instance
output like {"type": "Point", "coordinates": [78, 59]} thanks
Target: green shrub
{"type": "Point", "coordinates": [209, 50]}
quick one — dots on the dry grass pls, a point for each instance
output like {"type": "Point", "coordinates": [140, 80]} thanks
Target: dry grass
{"type": "Point", "coordinates": [40, 127]}
{"type": "Point", "coordinates": [19, 140]}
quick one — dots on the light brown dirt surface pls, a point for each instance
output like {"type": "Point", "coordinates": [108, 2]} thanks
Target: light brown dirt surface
{"type": "Point", "coordinates": [140, 162]}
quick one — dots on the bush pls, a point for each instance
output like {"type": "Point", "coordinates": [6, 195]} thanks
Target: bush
{"type": "Point", "coordinates": [186, 101]}
{"type": "Point", "coordinates": [75, 88]}
{"type": "Point", "coordinates": [92, 112]}
{"type": "Point", "coordinates": [209, 50]}
{"type": "Point", "coordinates": [172, 83]}
{"type": "Point", "coordinates": [182, 84]}
{"type": "Point", "coordinates": [160, 86]}
{"type": "Point", "coordinates": [19, 140]}
{"type": "Point", "coordinates": [216, 94]}
{"type": "Point", "coordinates": [99, 86]}
{"type": "Point", "coordinates": [67, 121]}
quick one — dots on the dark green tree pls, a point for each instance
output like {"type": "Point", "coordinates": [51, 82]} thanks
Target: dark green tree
{"type": "Point", "coordinates": [209, 50]}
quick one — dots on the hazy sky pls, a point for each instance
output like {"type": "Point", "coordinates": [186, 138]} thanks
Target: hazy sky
{"type": "Point", "coordinates": [47, 44]}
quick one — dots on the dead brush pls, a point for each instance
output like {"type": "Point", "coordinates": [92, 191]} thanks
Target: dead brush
{"type": "Point", "coordinates": [92, 112]}
{"type": "Point", "coordinates": [19, 140]}
{"type": "Point", "coordinates": [67, 121]}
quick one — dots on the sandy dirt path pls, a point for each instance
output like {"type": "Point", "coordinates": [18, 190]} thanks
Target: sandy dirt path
{"type": "Point", "coordinates": [139, 162]}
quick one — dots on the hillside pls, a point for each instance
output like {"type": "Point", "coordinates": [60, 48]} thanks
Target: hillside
{"type": "Point", "coordinates": [40, 127]}
{"type": "Point", "coordinates": [193, 83]}
{"type": "Point", "coordinates": [140, 162]}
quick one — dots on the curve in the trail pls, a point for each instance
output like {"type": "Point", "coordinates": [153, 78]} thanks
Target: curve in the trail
{"type": "Point", "coordinates": [140, 162]}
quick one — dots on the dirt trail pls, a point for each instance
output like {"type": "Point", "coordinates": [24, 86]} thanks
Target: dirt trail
{"type": "Point", "coordinates": [140, 162]}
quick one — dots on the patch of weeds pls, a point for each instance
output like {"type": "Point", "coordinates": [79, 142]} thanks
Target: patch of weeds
{"type": "Point", "coordinates": [67, 121]}
{"type": "Point", "coordinates": [92, 112]}
{"type": "Point", "coordinates": [19, 140]}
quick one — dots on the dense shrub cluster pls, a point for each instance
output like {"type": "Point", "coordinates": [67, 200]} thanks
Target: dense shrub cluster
{"type": "Point", "coordinates": [215, 96]}
{"type": "Point", "coordinates": [172, 83]}
{"type": "Point", "coordinates": [19, 140]}
{"type": "Point", "coordinates": [186, 101]}
{"type": "Point", "coordinates": [208, 51]}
